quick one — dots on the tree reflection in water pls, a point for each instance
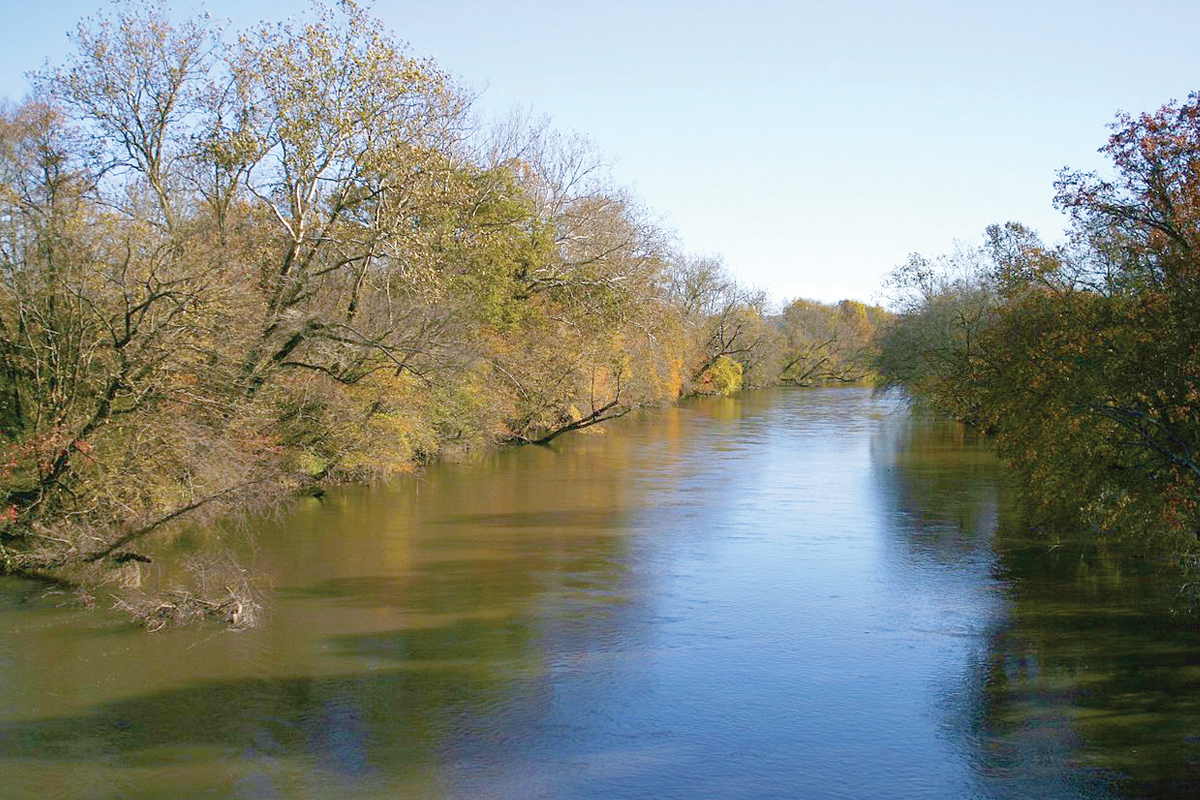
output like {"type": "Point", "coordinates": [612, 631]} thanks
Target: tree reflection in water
{"type": "Point", "coordinates": [1088, 684]}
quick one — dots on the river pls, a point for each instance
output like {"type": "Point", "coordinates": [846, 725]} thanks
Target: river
{"type": "Point", "coordinates": [788, 594]}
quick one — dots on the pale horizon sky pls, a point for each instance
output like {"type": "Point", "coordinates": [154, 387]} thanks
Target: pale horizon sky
{"type": "Point", "coordinates": [812, 144]}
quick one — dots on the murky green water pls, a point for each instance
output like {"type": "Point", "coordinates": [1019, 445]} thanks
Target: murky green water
{"type": "Point", "coordinates": [795, 594]}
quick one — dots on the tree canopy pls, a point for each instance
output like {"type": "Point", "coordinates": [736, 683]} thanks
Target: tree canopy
{"type": "Point", "coordinates": [1082, 358]}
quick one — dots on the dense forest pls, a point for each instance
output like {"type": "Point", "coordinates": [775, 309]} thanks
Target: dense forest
{"type": "Point", "coordinates": [1082, 360]}
{"type": "Point", "coordinates": [237, 268]}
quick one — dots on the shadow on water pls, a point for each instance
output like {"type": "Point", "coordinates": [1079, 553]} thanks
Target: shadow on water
{"type": "Point", "coordinates": [435, 688]}
{"type": "Point", "coordinates": [565, 518]}
{"type": "Point", "coordinates": [364, 684]}
{"type": "Point", "coordinates": [1097, 655]}
{"type": "Point", "coordinates": [437, 659]}
{"type": "Point", "coordinates": [1083, 684]}
{"type": "Point", "coordinates": [445, 706]}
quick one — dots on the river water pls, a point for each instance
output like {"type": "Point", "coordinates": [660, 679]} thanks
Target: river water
{"type": "Point", "coordinates": [791, 594]}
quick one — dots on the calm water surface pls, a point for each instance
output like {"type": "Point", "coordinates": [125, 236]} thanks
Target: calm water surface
{"type": "Point", "coordinates": [793, 594]}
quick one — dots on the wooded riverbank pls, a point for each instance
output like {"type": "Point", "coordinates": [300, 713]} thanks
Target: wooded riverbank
{"type": "Point", "coordinates": [1080, 360]}
{"type": "Point", "coordinates": [238, 268]}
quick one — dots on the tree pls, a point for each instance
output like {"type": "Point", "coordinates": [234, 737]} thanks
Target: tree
{"type": "Point", "coordinates": [934, 346]}
{"type": "Point", "coordinates": [218, 261]}
{"type": "Point", "coordinates": [594, 341]}
{"type": "Point", "coordinates": [350, 160]}
{"type": "Point", "coordinates": [824, 343]}
{"type": "Point", "coordinates": [1081, 358]}
{"type": "Point", "coordinates": [727, 323]}
{"type": "Point", "coordinates": [1142, 226]}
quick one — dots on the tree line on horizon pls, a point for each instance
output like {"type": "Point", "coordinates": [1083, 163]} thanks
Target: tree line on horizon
{"type": "Point", "coordinates": [238, 268]}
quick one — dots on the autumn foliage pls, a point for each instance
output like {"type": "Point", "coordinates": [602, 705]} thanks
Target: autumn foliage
{"type": "Point", "coordinates": [235, 268]}
{"type": "Point", "coordinates": [1084, 359]}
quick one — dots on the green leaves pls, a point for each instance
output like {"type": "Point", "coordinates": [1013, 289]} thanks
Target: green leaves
{"type": "Point", "coordinates": [1081, 359]}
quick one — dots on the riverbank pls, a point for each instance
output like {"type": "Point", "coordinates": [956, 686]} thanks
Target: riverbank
{"type": "Point", "coordinates": [252, 308]}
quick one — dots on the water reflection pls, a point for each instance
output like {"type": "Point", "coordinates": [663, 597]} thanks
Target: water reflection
{"type": "Point", "coordinates": [1084, 685]}
{"type": "Point", "coordinates": [1096, 655]}
{"type": "Point", "coordinates": [792, 594]}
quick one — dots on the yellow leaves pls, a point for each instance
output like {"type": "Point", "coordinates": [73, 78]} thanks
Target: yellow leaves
{"type": "Point", "coordinates": [723, 377]}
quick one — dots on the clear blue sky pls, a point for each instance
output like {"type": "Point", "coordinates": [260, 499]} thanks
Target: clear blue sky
{"type": "Point", "coordinates": [813, 144]}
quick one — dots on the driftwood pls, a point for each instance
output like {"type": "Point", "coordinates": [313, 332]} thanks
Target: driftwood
{"type": "Point", "coordinates": [175, 608]}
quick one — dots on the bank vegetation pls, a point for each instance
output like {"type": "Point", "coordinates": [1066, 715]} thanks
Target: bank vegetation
{"type": "Point", "coordinates": [236, 268]}
{"type": "Point", "coordinates": [1081, 359]}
